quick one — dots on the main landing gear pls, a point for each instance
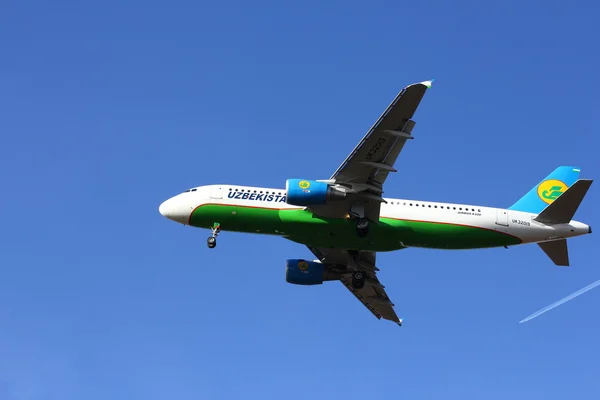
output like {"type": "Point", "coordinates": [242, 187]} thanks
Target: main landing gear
{"type": "Point", "coordinates": [211, 242]}
{"type": "Point", "coordinates": [358, 279]}
{"type": "Point", "coordinates": [357, 212]}
{"type": "Point", "coordinates": [362, 227]}
{"type": "Point", "coordinates": [358, 273]}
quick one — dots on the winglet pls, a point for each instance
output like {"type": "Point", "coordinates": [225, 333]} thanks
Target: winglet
{"type": "Point", "coordinates": [427, 83]}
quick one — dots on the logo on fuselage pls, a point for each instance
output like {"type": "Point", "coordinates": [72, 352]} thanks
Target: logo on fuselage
{"type": "Point", "coordinates": [276, 198]}
{"type": "Point", "coordinates": [549, 190]}
{"type": "Point", "coordinates": [302, 265]}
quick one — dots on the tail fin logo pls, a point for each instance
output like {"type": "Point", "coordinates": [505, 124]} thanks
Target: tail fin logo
{"type": "Point", "coordinates": [549, 190]}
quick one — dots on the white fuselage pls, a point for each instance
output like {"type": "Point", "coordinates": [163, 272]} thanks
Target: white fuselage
{"type": "Point", "coordinates": [519, 224]}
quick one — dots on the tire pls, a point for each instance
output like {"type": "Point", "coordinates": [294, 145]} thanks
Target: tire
{"type": "Point", "coordinates": [211, 242]}
{"type": "Point", "coordinates": [362, 227]}
{"type": "Point", "coordinates": [362, 224]}
{"type": "Point", "coordinates": [358, 279]}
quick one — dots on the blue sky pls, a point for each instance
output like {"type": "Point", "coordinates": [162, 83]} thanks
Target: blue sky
{"type": "Point", "coordinates": [109, 108]}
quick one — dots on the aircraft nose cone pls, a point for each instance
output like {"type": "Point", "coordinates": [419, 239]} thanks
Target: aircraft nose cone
{"type": "Point", "coordinates": [175, 209]}
{"type": "Point", "coordinates": [163, 209]}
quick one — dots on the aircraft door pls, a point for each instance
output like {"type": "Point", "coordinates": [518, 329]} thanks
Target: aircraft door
{"type": "Point", "coordinates": [221, 211]}
{"type": "Point", "coordinates": [216, 192]}
{"type": "Point", "coordinates": [502, 217]}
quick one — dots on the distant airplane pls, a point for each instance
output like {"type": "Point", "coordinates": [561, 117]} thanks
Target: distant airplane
{"type": "Point", "coordinates": [345, 219]}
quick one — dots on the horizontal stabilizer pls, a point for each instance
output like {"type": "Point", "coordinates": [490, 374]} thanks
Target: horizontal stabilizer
{"type": "Point", "coordinates": [562, 210]}
{"type": "Point", "coordinates": [557, 250]}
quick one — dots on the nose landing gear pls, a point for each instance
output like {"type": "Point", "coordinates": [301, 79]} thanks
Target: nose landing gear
{"type": "Point", "coordinates": [211, 242]}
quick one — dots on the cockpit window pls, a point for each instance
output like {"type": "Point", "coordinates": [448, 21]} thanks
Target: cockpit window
{"type": "Point", "coordinates": [193, 190]}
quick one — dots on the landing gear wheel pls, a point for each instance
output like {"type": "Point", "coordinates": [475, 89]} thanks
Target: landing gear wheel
{"type": "Point", "coordinates": [358, 279]}
{"type": "Point", "coordinates": [211, 242]}
{"type": "Point", "coordinates": [362, 227]}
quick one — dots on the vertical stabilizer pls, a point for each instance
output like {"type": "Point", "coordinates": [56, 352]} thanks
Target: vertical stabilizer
{"type": "Point", "coordinates": [547, 190]}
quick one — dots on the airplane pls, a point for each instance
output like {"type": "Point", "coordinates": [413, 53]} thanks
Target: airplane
{"type": "Point", "coordinates": [345, 220]}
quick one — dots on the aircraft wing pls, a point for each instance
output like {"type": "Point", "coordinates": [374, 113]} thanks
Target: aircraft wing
{"type": "Point", "coordinates": [373, 158]}
{"type": "Point", "coordinates": [372, 295]}
{"type": "Point", "coordinates": [368, 165]}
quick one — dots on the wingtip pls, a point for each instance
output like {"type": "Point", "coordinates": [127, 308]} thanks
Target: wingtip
{"type": "Point", "coordinates": [427, 83]}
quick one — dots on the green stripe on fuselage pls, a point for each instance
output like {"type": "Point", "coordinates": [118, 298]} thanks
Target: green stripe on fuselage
{"type": "Point", "coordinates": [389, 234]}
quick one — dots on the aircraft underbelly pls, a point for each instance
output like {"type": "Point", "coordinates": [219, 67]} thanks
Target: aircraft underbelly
{"type": "Point", "coordinates": [389, 234]}
{"type": "Point", "coordinates": [341, 233]}
{"type": "Point", "coordinates": [456, 236]}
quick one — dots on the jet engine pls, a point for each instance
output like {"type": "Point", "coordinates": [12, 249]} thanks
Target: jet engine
{"type": "Point", "coordinates": [301, 192]}
{"type": "Point", "coordinates": [301, 272]}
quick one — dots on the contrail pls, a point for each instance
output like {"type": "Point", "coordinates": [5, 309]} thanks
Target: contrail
{"type": "Point", "coordinates": [561, 301]}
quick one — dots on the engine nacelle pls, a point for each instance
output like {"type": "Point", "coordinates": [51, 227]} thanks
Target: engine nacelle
{"type": "Point", "coordinates": [301, 272]}
{"type": "Point", "coordinates": [301, 192]}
